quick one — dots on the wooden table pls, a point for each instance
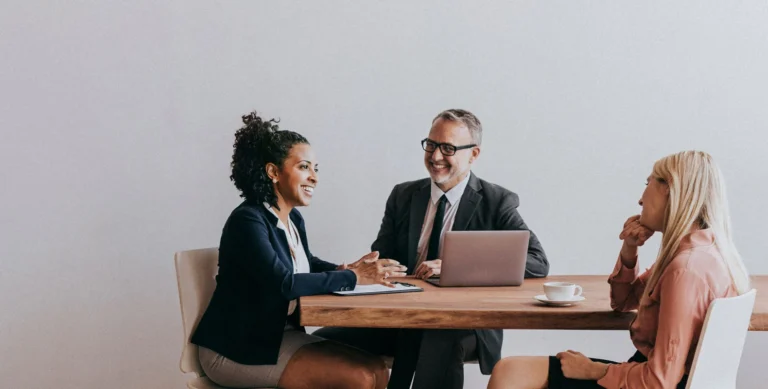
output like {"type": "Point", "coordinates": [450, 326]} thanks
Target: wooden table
{"type": "Point", "coordinates": [497, 307]}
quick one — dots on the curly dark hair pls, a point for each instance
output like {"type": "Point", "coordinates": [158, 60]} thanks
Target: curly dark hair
{"type": "Point", "coordinates": [258, 143]}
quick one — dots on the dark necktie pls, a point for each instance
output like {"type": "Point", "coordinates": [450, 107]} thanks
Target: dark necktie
{"type": "Point", "coordinates": [437, 228]}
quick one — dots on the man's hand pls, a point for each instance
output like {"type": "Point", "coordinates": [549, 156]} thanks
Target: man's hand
{"type": "Point", "coordinates": [428, 269]}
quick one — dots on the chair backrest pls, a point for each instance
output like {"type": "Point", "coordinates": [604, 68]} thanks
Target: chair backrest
{"type": "Point", "coordinates": [716, 362]}
{"type": "Point", "coordinates": [196, 276]}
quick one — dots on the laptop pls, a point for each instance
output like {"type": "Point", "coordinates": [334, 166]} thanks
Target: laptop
{"type": "Point", "coordinates": [483, 258]}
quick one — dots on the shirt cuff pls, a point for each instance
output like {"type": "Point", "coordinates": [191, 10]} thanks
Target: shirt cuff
{"type": "Point", "coordinates": [622, 274]}
{"type": "Point", "coordinates": [612, 377]}
{"type": "Point", "coordinates": [349, 281]}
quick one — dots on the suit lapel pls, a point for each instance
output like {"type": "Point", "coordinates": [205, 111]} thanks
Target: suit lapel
{"type": "Point", "coordinates": [282, 247]}
{"type": "Point", "coordinates": [468, 204]}
{"type": "Point", "coordinates": [419, 202]}
{"type": "Point", "coordinates": [298, 221]}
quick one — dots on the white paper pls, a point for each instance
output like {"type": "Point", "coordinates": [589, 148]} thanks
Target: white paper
{"type": "Point", "coordinates": [377, 288]}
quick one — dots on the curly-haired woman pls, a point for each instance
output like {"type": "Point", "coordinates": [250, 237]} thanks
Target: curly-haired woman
{"type": "Point", "coordinates": [250, 336]}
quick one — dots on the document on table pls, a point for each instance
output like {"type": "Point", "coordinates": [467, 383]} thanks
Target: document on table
{"type": "Point", "coordinates": [400, 287]}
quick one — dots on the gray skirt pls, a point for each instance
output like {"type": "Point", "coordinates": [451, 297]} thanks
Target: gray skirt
{"type": "Point", "coordinates": [226, 372]}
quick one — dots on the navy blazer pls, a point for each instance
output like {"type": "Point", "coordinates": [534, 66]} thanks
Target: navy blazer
{"type": "Point", "coordinates": [247, 314]}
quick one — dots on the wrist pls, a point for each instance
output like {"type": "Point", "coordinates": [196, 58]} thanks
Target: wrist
{"type": "Point", "coordinates": [599, 370]}
{"type": "Point", "coordinates": [628, 256]}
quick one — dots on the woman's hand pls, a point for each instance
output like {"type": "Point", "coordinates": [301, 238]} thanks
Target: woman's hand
{"type": "Point", "coordinates": [576, 366]}
{"type": "Point", "coordinates": [369, 258]}
{"type": "Point", "coordinates": [634, 235]}
{"type": "Point", "coordinates": [373, 270]}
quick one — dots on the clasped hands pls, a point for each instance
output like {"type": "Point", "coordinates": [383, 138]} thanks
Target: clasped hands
{"type": "Point", "coordinates": [370, 269]}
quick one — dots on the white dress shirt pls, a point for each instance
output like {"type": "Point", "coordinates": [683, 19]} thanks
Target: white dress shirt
{"type": "Point", "coordinates": [454, 197]}
{"type": "Point", "coordinates": [299, 257]}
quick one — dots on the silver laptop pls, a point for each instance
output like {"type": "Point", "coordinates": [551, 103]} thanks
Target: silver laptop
{"type": "Point", "coordinates": [483, 258]}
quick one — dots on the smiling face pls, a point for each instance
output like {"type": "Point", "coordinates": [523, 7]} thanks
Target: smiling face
{"type": "Point", "coordinates": [297, 178]}
{"type": "Point", "coordinates": [447, 171]}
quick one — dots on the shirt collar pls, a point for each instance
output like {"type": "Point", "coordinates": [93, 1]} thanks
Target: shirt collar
{"type": "Point", "coordinates": [454, 195]}
{"type": "Point", "coordinates": [279, 223]}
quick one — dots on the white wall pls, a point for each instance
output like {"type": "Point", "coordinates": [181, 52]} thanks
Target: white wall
{"type": "Point", "coordinates": [117, 123]}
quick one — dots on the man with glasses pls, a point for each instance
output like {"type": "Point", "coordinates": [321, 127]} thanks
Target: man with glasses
{"type": "Point", "coordinates": [416, 217]}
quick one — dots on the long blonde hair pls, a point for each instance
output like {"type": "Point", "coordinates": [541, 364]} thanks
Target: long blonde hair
{"type": "Point", "coordinates": [696, 200]}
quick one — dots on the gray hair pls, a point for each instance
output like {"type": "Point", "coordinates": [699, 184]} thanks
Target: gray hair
{"type": "Point", "coordinates": [466, 118]}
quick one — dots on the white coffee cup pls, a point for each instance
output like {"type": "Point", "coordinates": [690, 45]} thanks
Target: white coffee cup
{"type": "Point", "coordinates": [561, 291]}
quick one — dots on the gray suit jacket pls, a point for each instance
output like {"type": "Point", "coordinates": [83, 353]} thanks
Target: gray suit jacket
{"type": "Point", "coordinates": [483, 206]}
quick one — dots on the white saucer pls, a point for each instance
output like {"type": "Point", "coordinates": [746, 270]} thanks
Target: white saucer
{"type": "Point", "coordinates": [559, 303]}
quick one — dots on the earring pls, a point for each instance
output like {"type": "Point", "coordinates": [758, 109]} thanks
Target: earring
{"type": "Point", "coordinates": [274, 180]}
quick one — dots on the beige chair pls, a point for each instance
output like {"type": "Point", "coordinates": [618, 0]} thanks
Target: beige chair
{"type": "Point", "coordinates": [721, 343]}
{"type": "Point", "coordinates": [196, 277]}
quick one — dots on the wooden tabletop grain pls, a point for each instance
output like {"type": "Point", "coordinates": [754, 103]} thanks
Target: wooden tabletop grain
{"type": "Point", "coordinates": [486, 307]}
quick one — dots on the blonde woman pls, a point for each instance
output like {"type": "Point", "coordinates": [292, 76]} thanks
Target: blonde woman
{"type": "Point", "coordinates": [697, 263]}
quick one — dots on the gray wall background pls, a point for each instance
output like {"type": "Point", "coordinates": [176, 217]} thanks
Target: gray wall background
{"type": "Point", "coordinates": [117, 123]}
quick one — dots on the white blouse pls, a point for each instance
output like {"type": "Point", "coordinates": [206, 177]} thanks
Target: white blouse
{"type": "Point", "coordinates": [300, 261]}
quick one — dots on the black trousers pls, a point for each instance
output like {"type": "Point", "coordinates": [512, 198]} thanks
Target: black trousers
{"type": "Point", "coordinates": [431, 358]}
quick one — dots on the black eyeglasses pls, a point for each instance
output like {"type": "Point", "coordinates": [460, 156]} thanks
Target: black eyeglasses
{"type": "Point", "coordinates": [446, 148]}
